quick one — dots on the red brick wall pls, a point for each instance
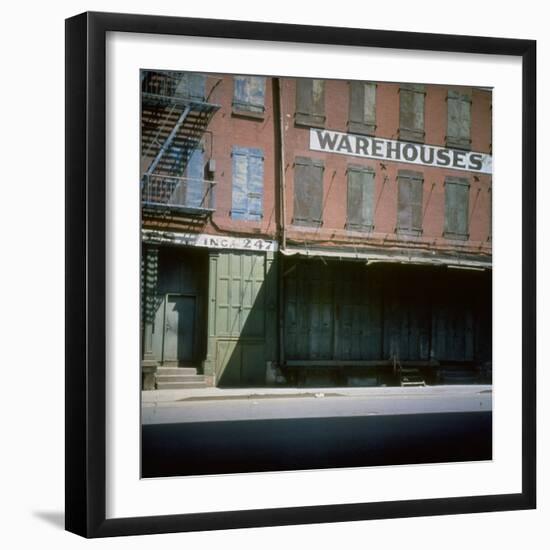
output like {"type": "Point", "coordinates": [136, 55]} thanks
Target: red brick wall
{"type": "Point", "coordinates": [228, 129]}
{"type": "Point", "coordinates": [387, 121]}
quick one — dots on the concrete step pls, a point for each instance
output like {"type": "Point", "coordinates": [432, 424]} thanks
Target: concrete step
{"type": "Point", "coordinates": [180, 378]}
{"type": "Point", "coordinates": [180, 385]}
{"type": "Point", "coordinates": [176, 370]}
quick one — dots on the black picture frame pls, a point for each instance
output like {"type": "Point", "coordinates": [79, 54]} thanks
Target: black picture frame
{"type": "Point", "coordinates": [86, 263]}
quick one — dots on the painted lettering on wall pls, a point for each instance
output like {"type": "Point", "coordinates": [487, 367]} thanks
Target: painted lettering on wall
{"type": "Point", "coordinates": [204, 240]}
{"type": "Point", "coordinates": [399, 151]}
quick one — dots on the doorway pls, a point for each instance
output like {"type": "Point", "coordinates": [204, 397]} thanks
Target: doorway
{"type": "Point", "coordinates": [179, 329]}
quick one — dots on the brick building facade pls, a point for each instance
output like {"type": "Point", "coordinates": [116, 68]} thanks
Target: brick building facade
{"type": "Point", "coordinates": [314, 232]}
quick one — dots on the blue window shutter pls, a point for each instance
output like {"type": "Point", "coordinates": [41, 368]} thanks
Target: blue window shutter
{"type": "Point", "coordinates": [195, 179]}
{"type": "Point", "coordinates": [196, 86]}
{"type": "Point", "coordinates": [257, 92]}
{"type": "Point", "coordinates": [249, 94]}
{"type": "Point", "coordinates": [239, 191]}
{"type": "Point", "coordinates": [255, 184]}
{"type": "Point", "coordinates": [248, 183]}
{"type": "Point", "coordinates": [240, 96]}
{"type": "Point", "coordinates": [191, 86]}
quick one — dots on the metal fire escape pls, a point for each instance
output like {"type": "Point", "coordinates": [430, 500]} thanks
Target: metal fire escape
{"type": "Point", "coordinates": [175, 116]}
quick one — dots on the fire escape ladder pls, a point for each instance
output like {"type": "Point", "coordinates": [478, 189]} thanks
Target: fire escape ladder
{"type": "Point", "coordinates": [174, 120]}
{"type": "Point", "coordinates": [168, 141]}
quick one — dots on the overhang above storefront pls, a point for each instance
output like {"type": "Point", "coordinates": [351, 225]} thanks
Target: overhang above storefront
{"type": "Point", "coordinates": [393, 256]}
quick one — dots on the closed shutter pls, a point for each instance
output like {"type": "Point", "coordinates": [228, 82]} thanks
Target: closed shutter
{"type": "Point", "coordinates": [249, 94]}
{"type": "Point", "coordinates": [411, 113]}
{"type": "Point", "coordinates": [457, 191]}
{"type": "Point", "coordinates": [247, 191]}
{"type": "Point", "coordinates": [409, 202]}
{"type": "Point", "coordinates": [192, 86]}
{"type": "Point", "coordinates": [459, 120]}
{"type": "Point", "coordinates": [360, 198]}
{"type": "Point", "coordinates": [310, 102]}
{"type": "Point", "coordinates": [255, 184]}
{"type": "Point", "coordinates": [195, 180]}
{"type": "Point", "coordinates": [308, 191]}
{"type": "Point", "coordinates": [362, 115]}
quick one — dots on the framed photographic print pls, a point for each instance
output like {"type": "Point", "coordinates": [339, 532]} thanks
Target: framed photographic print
{"type": "Point", "coordinates": [300, 274]}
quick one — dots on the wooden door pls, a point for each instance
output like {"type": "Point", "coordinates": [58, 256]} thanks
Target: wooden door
{"type": "Point", "coordinates": [179, 328]}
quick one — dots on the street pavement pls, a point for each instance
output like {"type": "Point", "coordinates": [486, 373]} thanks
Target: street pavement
{"type": "Point", "coordinates": [215, 404]}
{"type": "Point", "coordinates": [213, 431]}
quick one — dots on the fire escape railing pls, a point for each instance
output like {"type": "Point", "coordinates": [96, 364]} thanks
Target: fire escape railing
{"type": "Point", "coordinates": [176, 118]}
{"type": "Point", "coordinates": [190, 195]}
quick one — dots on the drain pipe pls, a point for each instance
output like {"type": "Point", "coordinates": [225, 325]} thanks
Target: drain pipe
{"type": "Point", "coordinates": [279, 137]}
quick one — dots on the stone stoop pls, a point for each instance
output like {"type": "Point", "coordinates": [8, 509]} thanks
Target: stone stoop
{"type": "Point", "coordinates": [178, 378]}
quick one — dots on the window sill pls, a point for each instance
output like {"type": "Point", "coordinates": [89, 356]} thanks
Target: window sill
{"type": "Point", "coordinates": [248, 114]}
{"type": "Point", "coordinates": [309, 120]}
{"type": "Point", "coordinates": [409, 232]}
{"type": "Point", "coordinates": [455, 236]}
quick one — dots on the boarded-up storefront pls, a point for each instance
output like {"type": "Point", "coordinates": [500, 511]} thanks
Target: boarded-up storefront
{"type": "Point", "coordinates": [350, 314]}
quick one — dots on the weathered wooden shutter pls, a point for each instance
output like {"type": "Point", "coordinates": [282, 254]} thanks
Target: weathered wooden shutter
{"type": "Point", "coordinates": [249, 94]}
{"type": "Point", "coordinates": [308, 191]}
{"type": "Point", "coordinates": [310, 102]}
{"type": "Point", "coordinates": [195, 179]}
{"type": "Point", "coordinates": [362, 107]}
{"type": "Point", "coordinates": [411, 112]}
{"type": "Point", "coordinates": [409, 202]}
{"type": "Point", "coordinates": [360, 198]}
{"type": "Point", "coordinates": [192, 86]}
{"type": "Point", "coordinates": [457, 191]}
{"type": "Point", "coordinates": [248, 176]}
{"type": "Point", "coordinates": [459, 119]}
{"type": "Point", "coordinates": [255, 184]}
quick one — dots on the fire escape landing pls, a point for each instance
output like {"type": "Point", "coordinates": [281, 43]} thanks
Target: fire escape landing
{"type": "Point", "coordinates": [175, 117]}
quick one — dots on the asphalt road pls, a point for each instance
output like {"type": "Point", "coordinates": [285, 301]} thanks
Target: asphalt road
{"type": "Point", "coordinates": [212, 436]}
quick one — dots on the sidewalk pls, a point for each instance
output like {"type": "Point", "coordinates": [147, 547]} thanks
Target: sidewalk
{"type": "Point", "coordinates": [215, 404]}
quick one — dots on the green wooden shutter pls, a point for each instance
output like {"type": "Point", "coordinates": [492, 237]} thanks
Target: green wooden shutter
{"type": "Point", "coordinates": [362, 107]}
{"type": "Point", "coordinates": [459, 119]}
{"type": "Point", "coordinates": [457, 191]}
{"type": "Point", "coordinates": [360, 198]}
{"type": "Point", "coordinates": [308, 191]}
{"type": "Point", "coordinates": [409, 202]}
{"type": "Point", "coordinates": [310, 102]}
{"type": "Point", "coordinates": [411, 112]}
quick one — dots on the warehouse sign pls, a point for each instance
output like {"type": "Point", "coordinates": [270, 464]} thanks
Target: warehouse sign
{"type": "Point", "coordinates": [398, 151]}
{"type": "Point", "coordinates": [203, 240]}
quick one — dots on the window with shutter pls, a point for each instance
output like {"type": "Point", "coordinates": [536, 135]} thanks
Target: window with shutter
{"type": "Point", "coordinates": [249, 94]}
{"type": "Point", "coordinates": [459, 123]}
{"type": "Point", "coordinates": [194, 180]}
{"type": "Point", "coordinates": [457, 192]}
{"type": "Point", "coordinates": [248, 183]}
{"type": "Point", "coordinates": [308, 192]}
{"type": "Point", "coordinates": [411, 112]}
{"type": "Point", "coordinates": [360, 198]}
{"type": "Point", "coordinates": [192, 86]}
{"type": "Point", "coordinates": [310, 102]}
{"type": "Point", "coordinates": [362, 108]}
{"type": "Point", "coordinates": [409, 202]}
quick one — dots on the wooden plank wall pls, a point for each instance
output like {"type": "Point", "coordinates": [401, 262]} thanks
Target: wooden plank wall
{"type": "Point", "coordinates": [351, 311]}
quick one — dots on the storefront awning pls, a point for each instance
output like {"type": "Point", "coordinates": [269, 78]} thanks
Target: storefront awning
{"type": "Point", "coordinates": [411, 257]}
